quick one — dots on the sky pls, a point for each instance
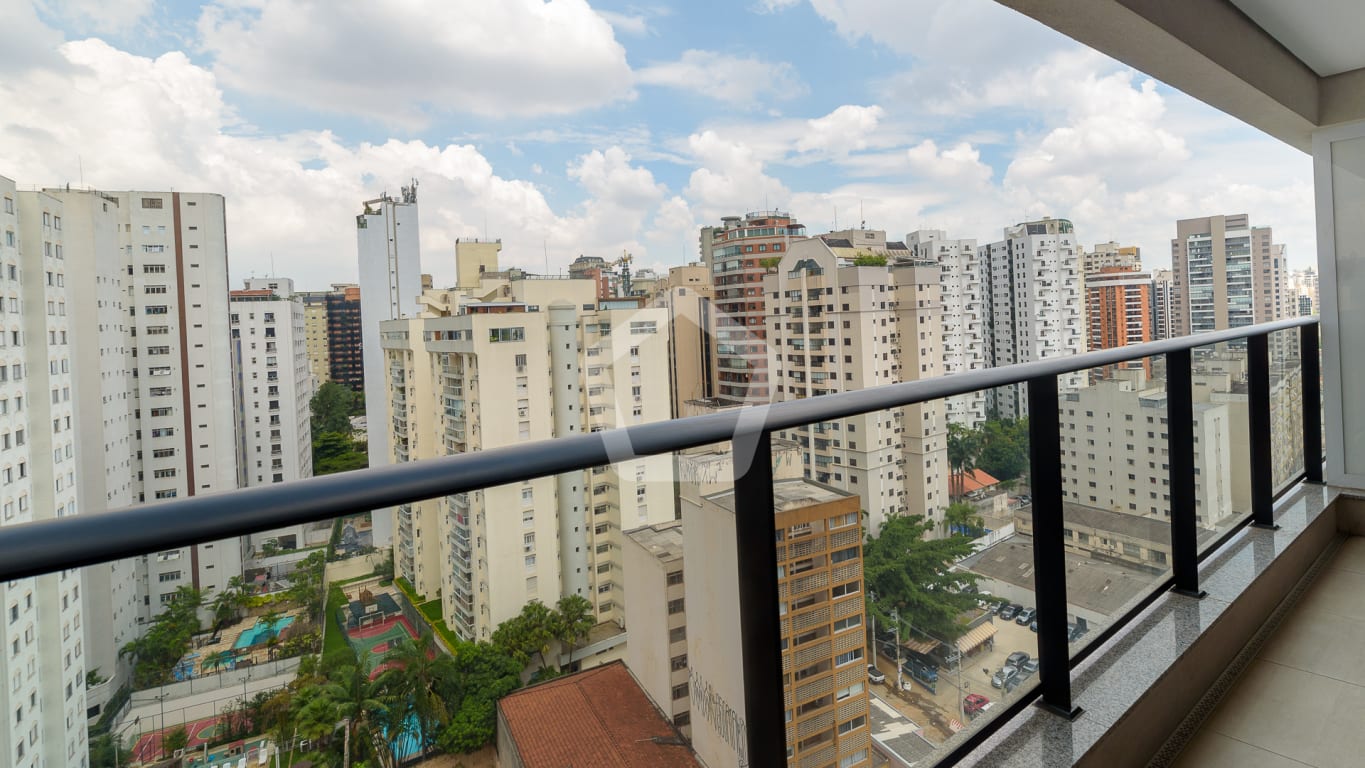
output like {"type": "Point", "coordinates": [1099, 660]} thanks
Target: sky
{"type": "Point", "coordinates": [568, 128]}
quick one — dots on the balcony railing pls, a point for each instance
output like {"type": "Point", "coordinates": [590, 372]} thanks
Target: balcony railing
{"type": "Point", "coordinates": [36, 548]}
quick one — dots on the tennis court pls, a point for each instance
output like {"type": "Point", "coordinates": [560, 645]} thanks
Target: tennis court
{"type": "Point", "coordinates": [147, 748]}
{"type": "Point", "coordinates": [377, 639]}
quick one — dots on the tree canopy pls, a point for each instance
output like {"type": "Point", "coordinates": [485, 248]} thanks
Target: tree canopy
{"type": "Point", "coordinates": [332, 407]}
{"type": "Point", "coordinates": [914, 576]}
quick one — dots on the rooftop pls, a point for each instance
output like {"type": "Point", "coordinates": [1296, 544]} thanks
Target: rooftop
{"type": "Point", "coordinates": [788, 494]}
{"type": "Point", "coordinates": [594, 719]}
{"type": "Point", "coordinates": [1100, 586]}
{"type": "Point", "coordinates": [663, 540]}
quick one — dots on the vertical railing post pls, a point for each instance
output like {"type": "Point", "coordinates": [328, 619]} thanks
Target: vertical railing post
{"type": "Point", "coordinates": [1180, 456]}
{"type": "Point", "coordinates": [1259, 426]}
{"type": "Point", "coordinates": [760, 625]}
{"type": "Point", "coordinates": [1310, 365]}
{"type": "Point", "coordinates": [1049, 551]}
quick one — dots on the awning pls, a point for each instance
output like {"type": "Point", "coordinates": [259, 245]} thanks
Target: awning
{"type": "Point", "coordinates": [975, 637]}
{"type": "Point", "coordinates": [921, 646]}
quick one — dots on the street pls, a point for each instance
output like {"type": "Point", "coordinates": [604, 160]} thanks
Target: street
{"type": "Point", "coordinates": [936, 711]}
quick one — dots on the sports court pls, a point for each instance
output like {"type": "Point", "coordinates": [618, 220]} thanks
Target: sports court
{"type": "Point", "coordinates": [377, 639]}
{"type": "Point", "coordinates": [147, 748]}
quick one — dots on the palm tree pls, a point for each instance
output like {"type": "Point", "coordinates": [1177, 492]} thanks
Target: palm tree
{"type": "Point", "coordinates": [411, 687]}
{"type": "Point", "coordinates": [357, 698]}
{"type": "Point", "coordinates": [219, 659]}
{"type": "Point", "coordinates": [964, 445]}
{"type": "Point", "coordinates": [573, 620]}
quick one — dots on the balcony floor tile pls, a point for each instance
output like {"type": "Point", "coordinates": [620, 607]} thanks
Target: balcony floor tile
{"type": "Point", "coordinates": [1214, 750]}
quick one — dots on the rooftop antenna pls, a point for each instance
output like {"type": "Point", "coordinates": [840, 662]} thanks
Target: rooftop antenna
{"type": "Point", "coordinates": [863, 223]}
{"type": "Point", "coordinates": [545, 247]}
{"type": "Point", "coordinates": [272, 265]}
{"type": "Point", "coordinates": [81, 167]}
{"type": "Point", "coordinates": [836, 218]}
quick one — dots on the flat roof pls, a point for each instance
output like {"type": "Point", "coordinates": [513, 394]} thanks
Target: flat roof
{"type": "Point", "coordinates": [792, 493]}
{"type": "Point", "coordinates": [897, 733]}
{"type": "Point", "coordinates": [663, 540]}
{"type": "Point", "coordinates": [1101, 586]}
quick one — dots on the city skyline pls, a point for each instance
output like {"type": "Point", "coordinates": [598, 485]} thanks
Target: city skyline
{"type": "Point", "coordinates": [667, 140]}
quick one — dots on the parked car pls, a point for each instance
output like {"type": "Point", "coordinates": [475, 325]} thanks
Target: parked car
{"type": "Point", "coordinates": [1074, 631]}
{"type": "Point", "coordinates": [1033, 625]}
{"type": "Point", "coordinates": [1016, 658]}
{"type": "Point", "coordinates": [1025, 616]}
{"type": "Point", "coordinates": [875, 675]}
{"type": "Point", "coordinates": [919, 670]}
{"type": "Point", "coordinates": [1004, 676]}
{"type": "Point", "coordinates": [1028, 667]}
{"type": "Point", "coordinates": [975, 704]}
{"type": "Point", "coordinates": [1013, 682]}
{"type": "Point", "coordinates": [1008, 612]}
{"type": "Point", "coordinates": [887, 647]}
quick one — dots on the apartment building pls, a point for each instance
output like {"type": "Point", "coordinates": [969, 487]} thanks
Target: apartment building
{"type": "Point", "coordinates": [1226, 274]}
{"type": "Point", "coordinates": [345, 342]}
{"type": "Point", "coordinates": [43, 665]}
{"type": "Point", "coordinates": [688, 295]}
{"type": "Point", "coordinates": [739, 251]}
{"type": "Point", "coordinates": [656, 612]}
{"type": "Point", "coordinates": [836, 326]}
{"type": "Point", "coordinates": [819, 555]}
{"type": "Point", "coordinates": [474, 257]}
{"type": "Point", "coordinates": [315, 334]}
{"type": "Point", "coordinates": [1114, 451]}
{"type": "Point", "coordinates": [268, 326]}
{"type": "Point", "coordinates": [1110, 255]}
{"type": "Point", "coordinates": [962, 296]}
{"type": "Point", "coordinates": [561, 362]}
{"type": "Point", "coordinates": [388, 248]}
{"type": "Point", "coordinates": [95, 279]}
{"type": "Point", "coordinates": [598, 270]}
{"type": "Point", "coordinates": [175, 250]}
{"type": "Point", "coordinates": [1118, 308]}
{"type": "Point", "coordinates": [1163, 306]}
{"type": "Point", "coordinates": [1303, 292]}
{"type": "Point", "coordinates": [1033, 303]}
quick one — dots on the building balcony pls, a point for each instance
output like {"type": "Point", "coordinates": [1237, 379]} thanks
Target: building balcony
{"type": "Point", "coordinates": [1133, 647]}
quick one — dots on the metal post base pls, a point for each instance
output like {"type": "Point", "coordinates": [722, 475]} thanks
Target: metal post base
{"type": "Point", "coordinates": [1197, 594]}
{"type": "Point", "coordinates": [1266, 526]}
{"type": "Point", "coordinates": [1067, 714]}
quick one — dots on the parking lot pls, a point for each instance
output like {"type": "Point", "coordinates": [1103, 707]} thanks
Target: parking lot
{"type": "Point", "coordinates": [938, 711]}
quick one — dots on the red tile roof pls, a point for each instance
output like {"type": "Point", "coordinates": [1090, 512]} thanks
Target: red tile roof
{"type": "Point", "coordinates": [594, 719]}
{"type": "Point", "coordinates": [966, 482]}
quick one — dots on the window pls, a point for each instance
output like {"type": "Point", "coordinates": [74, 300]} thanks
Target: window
{"type": "Point", "coordinates": [677, 634]}
{"type": "Point", "coordinates": [152, 202]}
{"type": "Point", "coordinates": [852, 690]}
{"type": "Point", "coordinates": [852, 725]}
{"type": "Point", "coordinates": [848, 657]}
{"type": "Point", "coordinates": [643, 327]}
{"type": "Point", "coordinates": [496, 335]}
{"type": "Point", "coordinates": [158, 269]}
{"type": "Point", "coordinates": [848, 761]}
{"type": "Point", "coordinates": [848, 623]}
{"type": "Point", "coordinates": [168, 576]}
{"type": "Point", "coordinates": [530, 562]}
{"type": "Point", "coordinates": [846, 589]}
{"type": "Point", "coordinates": [675, 578]}
{"type": "Point", "coordinates": [680, 691]}
{"type": "Point", "coordinates": [676, 606]}
{"type": "Point", "coordinates": [678, 663]}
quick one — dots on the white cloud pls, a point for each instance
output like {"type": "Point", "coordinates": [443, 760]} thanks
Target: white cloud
{"type": "Point", "coordinates": [841, 131]}
{"type": "Point", "coordinates": [400, 64]}
{"type": "Point", "coordinates": [157, 123]}
{"type": "Point", "coordinates": [625, 23]}
{"type": "Point", "coordinates": [733, 79]}
{"type": "Point", "coordinates": [108, 16]}
{"type": "Point", "coordinates": [731, 178]}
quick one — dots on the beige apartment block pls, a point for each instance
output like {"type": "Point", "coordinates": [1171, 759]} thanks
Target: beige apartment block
{"type": "Point", "coordinates": [315, 335]}
{"type": "Point", "coordinates": [656, 613]}
{"type": "Point", "coordinates": [1114, 446]}
{"type": "Point", "coordinates": [834, 326]}
{"type": "Point", "coordinates": [516, 360]}
{"type": "Point", "coordinates": [688, 296]}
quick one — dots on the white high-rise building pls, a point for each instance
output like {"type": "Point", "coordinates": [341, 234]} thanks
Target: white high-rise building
{"type": "Point", "coordinates": [1163, 310]}
{"type": "Point", "coordinates": [513, 361]}
{"type": "Point", "coordinates": [103, 399]}
{"type": "Point", "coordinates": [390, 282]}
{"type": "Point", "coordinates": [964, 315]}
{"type": "Point", "coordinates": [175, 251]}
{"type": "Point", "coordinates": [268, 327]}
{"type": "Point", "coordinates": [1034, 303]}
{"type": "Point", "coordinates": [43, 664]}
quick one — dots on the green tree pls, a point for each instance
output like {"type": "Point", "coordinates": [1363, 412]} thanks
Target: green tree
{"type": "Point", "coordinates": [107, 751]}
{"type": "Point", "coordinates": [963, 446]}
{"type": "Point", "coordinates": [914, 576]}
{"type": "Point", "coordinates": [178, 738]}
{"type": "Point", "coordinates": [869, 260]}
{"type": "Point", "coordinates": [960, 518]}
{"type": "Point", "coordinates": [335, 452]}
{"type": "Point", "coordinates": [528, 634]}
{"type": "Point", "coordinates": [411, 688]}
{"type": "Point", "coordinates": [572, 620]}
{"type": "Point", "coordinates": [478, 675]}
{"type": "Point", "coordinates": [332, 407]}
{"type": "Point", "coordinates": [156, 652]}
{"type": "Point", "coordinates": [1004, 449]}
{"type": "Point", "coordinates": [356, 698]}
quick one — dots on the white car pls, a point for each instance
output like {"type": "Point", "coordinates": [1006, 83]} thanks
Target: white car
{"type": "Point", "coordinates": [875, 675]}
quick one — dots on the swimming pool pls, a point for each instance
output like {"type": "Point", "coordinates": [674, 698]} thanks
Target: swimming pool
{"type": "Point", "coordinates": [408, 743]}
{"type": "Point", "coordinates": [260, 632]}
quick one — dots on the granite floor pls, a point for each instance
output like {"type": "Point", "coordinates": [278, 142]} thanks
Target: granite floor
{"type": "Point", "coordinates": [1301, 702]}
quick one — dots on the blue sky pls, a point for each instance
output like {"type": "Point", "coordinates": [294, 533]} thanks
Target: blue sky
{"type": "Point", "coordinates": [568, 127]}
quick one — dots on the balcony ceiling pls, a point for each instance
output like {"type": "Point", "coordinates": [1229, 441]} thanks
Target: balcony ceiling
{"type": "Point", "coordinates": [1324, 34]}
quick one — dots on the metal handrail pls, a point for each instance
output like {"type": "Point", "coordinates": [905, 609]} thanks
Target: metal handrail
{"type": "Point", "coordinates": [30, 549]}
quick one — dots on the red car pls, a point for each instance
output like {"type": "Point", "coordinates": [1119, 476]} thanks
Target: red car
{"type": "Point", "coordinates": [975, 704]}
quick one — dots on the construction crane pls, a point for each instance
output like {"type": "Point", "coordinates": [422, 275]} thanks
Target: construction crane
{"type": "Point", "coordinates": [622, 265]}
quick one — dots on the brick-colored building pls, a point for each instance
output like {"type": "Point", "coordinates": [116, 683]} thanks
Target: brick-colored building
{"type": "Point", "coordinates": [1118, 304]}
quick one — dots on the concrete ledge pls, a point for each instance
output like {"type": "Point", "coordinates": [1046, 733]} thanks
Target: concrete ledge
{"type": "Point", "coordinates": [1139, 686]}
